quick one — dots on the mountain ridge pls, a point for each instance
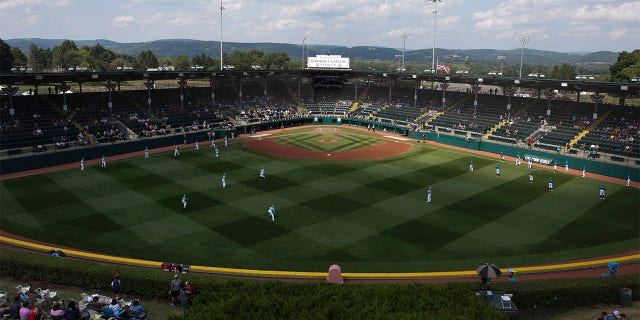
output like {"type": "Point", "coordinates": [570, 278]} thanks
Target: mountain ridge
{"type": "Point", "coordinates": [190, 47]}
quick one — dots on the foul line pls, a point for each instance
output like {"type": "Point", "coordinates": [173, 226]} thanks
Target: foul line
{"type": "Point", "coordinates": [319, 275]}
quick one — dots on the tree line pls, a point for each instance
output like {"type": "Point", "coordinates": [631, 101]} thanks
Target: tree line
{"type": "Point", "coordinates": [67, 57]}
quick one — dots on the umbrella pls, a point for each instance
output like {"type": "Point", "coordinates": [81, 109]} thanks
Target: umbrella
{"type": "Point", "coordinates": [488, 271]}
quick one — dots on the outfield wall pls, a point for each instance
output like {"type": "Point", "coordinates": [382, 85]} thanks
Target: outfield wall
{"type": "Point", "coordinates": [65, 156]}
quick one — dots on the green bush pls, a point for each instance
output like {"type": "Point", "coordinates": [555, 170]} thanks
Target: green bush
{"type": "Point", "coordinates": [248, 299]}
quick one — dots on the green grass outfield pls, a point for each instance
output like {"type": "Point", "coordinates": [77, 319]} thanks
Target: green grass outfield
{"type": "Point", "coordinates": [366, 215]}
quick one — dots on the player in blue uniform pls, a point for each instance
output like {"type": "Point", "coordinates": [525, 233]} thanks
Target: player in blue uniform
{"type": "Point", "coordinates": [146, 152]}
{"type": "Point", "coordinates": [550, 184]}
{"type": "Point", "coordinates": [498, 170]}
{"type": "Point", "coordinates": [602, 191]}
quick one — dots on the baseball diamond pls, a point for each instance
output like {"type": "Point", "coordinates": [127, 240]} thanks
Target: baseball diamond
{"type": "Point", "coordinates": [368, 214]}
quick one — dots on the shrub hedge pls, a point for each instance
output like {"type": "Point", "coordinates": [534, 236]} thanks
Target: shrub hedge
{"type": "Point", "coordinates": [223, 297]}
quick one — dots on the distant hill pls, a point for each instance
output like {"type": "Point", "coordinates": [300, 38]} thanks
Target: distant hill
{"type": "Point", "coordinates": [176, 47]}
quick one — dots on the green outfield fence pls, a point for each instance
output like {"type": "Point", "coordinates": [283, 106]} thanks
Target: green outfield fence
{"type": "Point", "coordinates": [73, 155]}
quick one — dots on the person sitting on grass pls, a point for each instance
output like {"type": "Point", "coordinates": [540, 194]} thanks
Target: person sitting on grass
{"type": "Point", "coordinates": [136, 310]}
{"type": "Point", "coordinates": [72, 312]}
{"type": "Point", "coordinates": [56, 311]}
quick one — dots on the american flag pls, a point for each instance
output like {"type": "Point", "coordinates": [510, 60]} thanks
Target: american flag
{"type": "Point", "coordinates": [443, 67]}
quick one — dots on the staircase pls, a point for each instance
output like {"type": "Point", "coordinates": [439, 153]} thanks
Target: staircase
{"type": "Point", "coordinates": [587, 130]}
{"type": "Point", "coordinates": [494, 129]}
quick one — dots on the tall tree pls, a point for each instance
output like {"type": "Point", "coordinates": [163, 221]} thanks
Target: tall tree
{"type": "Point", "coordinates": [66, 54]}
{"type": "Point", "coordinates": [625, 60]}
{"type": "Point", "coordinates": [19, 58]}
{"type": "Point", "coordinates": [147, 60]}
{"type": "Point", "coordinates": [6, 59]}
{"type": "Point", "coordinates": [39, 58]}
{"type": "Point", "coordinates": [182, 63]}
{"type": "Point", "coordinates": [101, 57]}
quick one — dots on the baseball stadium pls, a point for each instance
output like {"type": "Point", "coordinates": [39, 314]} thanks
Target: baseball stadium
{"type": "Point", "coordinates": [378, 177]}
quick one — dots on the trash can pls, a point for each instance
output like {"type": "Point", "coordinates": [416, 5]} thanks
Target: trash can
{"type": "Point", "coordinates": [625, 297]}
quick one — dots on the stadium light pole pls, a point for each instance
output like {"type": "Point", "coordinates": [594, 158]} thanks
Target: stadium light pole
{"type": "Point", "coordinates": [404, 37]}
{"type": "Point", "coordinates": [435, 21]}
{"type": "Point", "coordinates": [221, 10]}
{"type": "Point", "coordinates": [304, 39]}
{"type": "Point", "coordinates": [523, 41]}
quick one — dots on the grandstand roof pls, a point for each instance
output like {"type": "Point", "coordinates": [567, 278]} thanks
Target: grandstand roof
{"type": "Point", "coordinates": [533, 83]}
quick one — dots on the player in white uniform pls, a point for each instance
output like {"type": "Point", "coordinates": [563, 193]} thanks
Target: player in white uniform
{"type": "Point", "coordinates": [602, 191]}
{"type": "Point", "coordinates": [584, 171]}
{"type": "Point", "coordinates": [226, 141]}
{"type": "Point", "coordinates": [272, 212]}
{"type": "Point", "coordinates": [530, 176]}
{"type": "Point", "coordinates": [103, 162]}
{"type": "Point", "coordinates": [146, 152]}
{"type": "Point", "coordinates": [197, 145]}
{"type": "Point", "coordinates": [471, 165]}
{"type": "Point", "coordinates": [497, 169]}
{"type": "Point", "coordinates": [555, 166]}
{"type": "Point", "coordinates": [566, 166]}
{"type": "Point", "coordinates": [550, 184]}
{"type": "Point", "coordinates": [224, 180]}
{"type": "Point", "coordinates": [176, 151]}
{"type": "Point", "coordinates": [628, 179]}
{"type": "Point", "coordinates": [262, 173]}
{"type": "Point", "coordinates": [213, 144]}
{"type": "Point", "coordinates": [82, 164]}
{"type": "Point", "coordinates": [184, 201]}
{"type": "Point", "coordinates": [429, 195]}
{"type": "Point", "coordinates": [529, 163]}
{"type": "Point", "coordinates": [217, 153]}
{"type": "Point", "coordinates": [518, 159]}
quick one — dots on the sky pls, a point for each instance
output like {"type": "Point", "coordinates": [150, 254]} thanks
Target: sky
{"type": "Point", "coordinates": [556, 25]}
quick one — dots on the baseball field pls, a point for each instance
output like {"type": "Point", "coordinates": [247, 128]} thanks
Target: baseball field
{"type": "Point", "coordinates": [342, 196]}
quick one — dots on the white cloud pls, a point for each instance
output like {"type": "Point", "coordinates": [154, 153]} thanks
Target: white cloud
{"type": "Point", "coordinates": [121, 21]}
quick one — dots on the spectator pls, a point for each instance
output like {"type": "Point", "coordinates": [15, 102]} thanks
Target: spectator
{"type": "Point", "coordinates": [25, 311]}
{"type": "Point", "coordinates": [115, 306]}
{"type": "Point", "coordinates": [72, 312]}
{"type": "Point", "coordinates": [56, 311]}
{"type": "Point", "coordinates": [174, 290]}
{"type": "Point", "coordinates": [115, 284]}
{"type": "Point", "coordinates": [14, 308]}
{"type": "Point", "coordinates": [36, 313]}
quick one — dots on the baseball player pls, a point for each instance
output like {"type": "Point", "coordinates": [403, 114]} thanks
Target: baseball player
{"type": "Point", "coordinates": [262, 173]}
{"type": "Point", "coordinates": [82, 165]}
{"type": "Point", "coordinates": [272, 212]}
{"type": "Point", "coordinates": [518, 162]}
{"type": "Point", "coordinates": [176, 151]}
{"type": "Point", "coordinates": [226, 141]}
{"type": "Point", "coordinates": [471, 165]}
{"type": "Point", "coordinates": [213, 144]}
{"type": "Point", "coordinates": [602, 191]}
{"type": "Point", "coordinates": [224, 180]}
{"type": "Point", "coordinates": [566, 166]}
{"type": "Point", "coordinates": [550, 184]}
{"type": "Point", "coordinates": [628, 179]}
{"type": "Point", "coordinates": [555, 166]}
{"type": "Point", "coordinates": [529, 163]}
{"type": "Point", "coordinates": [584, 171]}
{"type": "Point", "coordinates": [103, 162]}
{"type": "Point", "coordinates": [530, 176]}
{"type": "Point", "coordinates": [184, 201]}
{"type": "Point", "coordinates": [497, 170]}
{"type": "Point", "coordinates": [197, 145]}
{"type": "Point", "coordinates": [146, 152]}
{"type": "Point", "coordinates": [217, 153]}
{"type": "Point", "coordinates": [501, 156]}
{"type": "Point", "coordinates": [429, 195]}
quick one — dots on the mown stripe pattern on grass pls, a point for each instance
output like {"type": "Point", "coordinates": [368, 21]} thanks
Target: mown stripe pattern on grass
{"type": "Point", "coordinates": [368, 215]}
